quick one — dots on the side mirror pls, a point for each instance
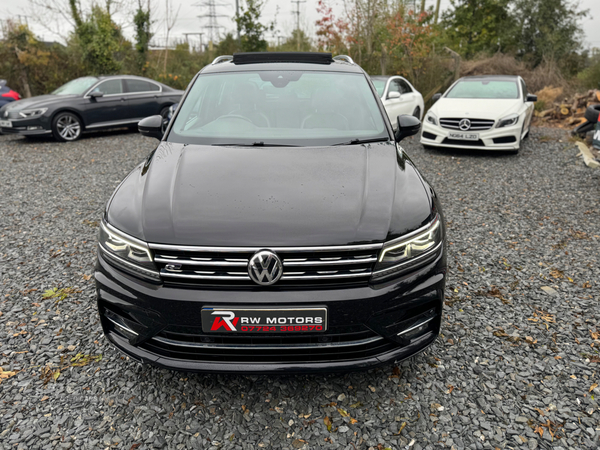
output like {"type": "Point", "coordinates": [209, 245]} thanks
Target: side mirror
{"type": "Point", "coordinates": [151, 126]}
{"type": "Point", "coordinates": [436, 97]}
{"type": "Point", "coordinates": [531, 98]}
{"type": "Point", "coordinates": [407, 126]}
{"type": "Point", "coordinates": [97, 94]}
{"type": "Point", "coordinates": [393, 94]}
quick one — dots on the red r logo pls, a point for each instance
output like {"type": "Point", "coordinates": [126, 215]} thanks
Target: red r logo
{"type": "Point", "coordinates": [228, 320]}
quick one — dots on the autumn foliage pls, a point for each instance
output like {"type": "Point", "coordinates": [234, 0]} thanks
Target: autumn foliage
{"type": "Point", "coordinates": [381, 38]}
{"type": "Point", "coordinates": [331, 33]}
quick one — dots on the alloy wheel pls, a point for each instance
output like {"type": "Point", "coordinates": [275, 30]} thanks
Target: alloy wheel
{"type": "Point", "coordinates": [68, 127]}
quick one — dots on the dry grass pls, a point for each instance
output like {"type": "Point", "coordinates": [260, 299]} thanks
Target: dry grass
{"type": "Point", "coordinates": [545, 75]}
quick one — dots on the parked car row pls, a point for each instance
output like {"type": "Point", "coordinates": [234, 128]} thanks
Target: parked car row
{"type": "Point", "coordinates": [278, 225]}
{"type": "Point", "coordinates": [484, 112]}
{"type": "Point", "coordinates": [88, 103]}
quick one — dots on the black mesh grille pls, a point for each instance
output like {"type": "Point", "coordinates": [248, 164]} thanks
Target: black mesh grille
{"type": "Point", "coordinates": [478, 143]}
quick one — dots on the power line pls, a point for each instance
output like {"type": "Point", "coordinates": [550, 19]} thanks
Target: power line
{"type": "Point", "coordinates": [212, 26]}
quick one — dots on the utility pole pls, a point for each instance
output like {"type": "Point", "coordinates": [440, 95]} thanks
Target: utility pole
{"type": "Point", "coordinates": [297, 12]}
{"type": "Point", "coordinates": [237, 25]}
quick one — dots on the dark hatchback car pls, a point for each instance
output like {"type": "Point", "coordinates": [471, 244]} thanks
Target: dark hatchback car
{"type": "Point", "coordinates": [278, 226]}
{"type": "Point", "coordinates": [88, 103]}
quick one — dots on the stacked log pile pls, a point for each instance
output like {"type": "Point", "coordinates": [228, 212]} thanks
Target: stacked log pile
{"type": "Point", "coordinates": [553, 109]}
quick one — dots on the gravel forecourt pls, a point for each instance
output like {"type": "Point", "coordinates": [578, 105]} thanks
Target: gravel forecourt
{"type": "Point", "coordinates": [516, 366]}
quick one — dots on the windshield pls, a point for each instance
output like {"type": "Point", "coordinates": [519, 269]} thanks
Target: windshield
{"type": "Point", "coordinates": [379, 85]}
{"type": "Point", "coordinates": [78, 86]}
{"type": "Point", "coordinates": [299, 108]}
{"type": "Point", "coordinates": [502, 89]}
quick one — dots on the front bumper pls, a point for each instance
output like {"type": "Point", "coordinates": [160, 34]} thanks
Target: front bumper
{"type": "Point", "coordinates": [507, 138]}
{"type": "Point", "coordinates": [160, 324]}
{"type": "Point", "coordinates": [37, 126]}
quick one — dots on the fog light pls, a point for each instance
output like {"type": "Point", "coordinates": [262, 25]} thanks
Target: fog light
{"type": "Point", "coordinates": [416, 329]}
{"type": "Point", "coordinates": [33, 128]}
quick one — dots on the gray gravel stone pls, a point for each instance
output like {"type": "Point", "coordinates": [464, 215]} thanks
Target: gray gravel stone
{"type": "Point", "coordinates": [512, 361]}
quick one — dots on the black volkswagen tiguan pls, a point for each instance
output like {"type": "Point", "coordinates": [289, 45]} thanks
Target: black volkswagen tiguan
{"type": "Point", "coordinates": [278, 226]}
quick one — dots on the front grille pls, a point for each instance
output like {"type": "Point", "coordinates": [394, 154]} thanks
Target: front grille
{"type": "Point", "coordinates": [339, 343]}
{"type": "Point", "coordinates": [301, 265]}
{"type": "Point", "coordinates": [476, 124]}
{"type": "Point", "coordinates": [478, 143]}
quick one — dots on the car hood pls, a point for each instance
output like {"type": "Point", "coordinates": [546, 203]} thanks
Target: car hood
{"type": "Point", "coordinates": [36, 102]}
{"type": "Point", "coordinates": [475, 108]}
{"type": "Point", "coordinates": [266, 196]}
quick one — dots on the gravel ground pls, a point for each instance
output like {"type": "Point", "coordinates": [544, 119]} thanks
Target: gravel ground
{"type": "Point", "coordinates": [516, 366]}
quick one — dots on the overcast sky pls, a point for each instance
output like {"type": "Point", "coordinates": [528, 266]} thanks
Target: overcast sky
{"type": "Point", "coordinates": [279, 10]}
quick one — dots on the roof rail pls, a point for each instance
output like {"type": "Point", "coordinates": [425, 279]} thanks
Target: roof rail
{"type": "Point", "coordinates": [344, 58]}
{"type": "Point", "coordinates": [222, 58]}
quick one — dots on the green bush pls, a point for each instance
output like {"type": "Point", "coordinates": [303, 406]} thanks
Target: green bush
{"type": "Point", "coordinates": [590, 77]}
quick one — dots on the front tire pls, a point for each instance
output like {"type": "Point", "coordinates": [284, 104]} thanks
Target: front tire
{"type": "Point", "coordinates": [527, 134]}
{"type": "Point", "coordinates": [66, 127]}
{"type": "Point", "coordinates": [417, 112]}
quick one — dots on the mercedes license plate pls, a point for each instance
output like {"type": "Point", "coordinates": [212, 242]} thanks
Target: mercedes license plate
{"type": "Point", "coordinates": [263, 320]}
{"type": "Point", "coordinates": [464, 136]}
{"type": "Point", "coordinates": [5, 124]}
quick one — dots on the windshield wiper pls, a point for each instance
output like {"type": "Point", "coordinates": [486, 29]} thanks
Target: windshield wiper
{"type": "Point", "coordinates": [363, 141]}
{"type": "Point", "coordinates": [254, 144]}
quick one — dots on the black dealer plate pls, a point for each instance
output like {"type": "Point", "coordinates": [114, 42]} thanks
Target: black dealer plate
{"type": "Point", "coordinates": [264, 320]}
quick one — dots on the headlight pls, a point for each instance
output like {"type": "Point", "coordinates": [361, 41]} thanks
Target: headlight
{"type": "Point", "coordinates": [431, 118]}
{"type": "Point", "coordinates": [126, 252]}
{"type": "Point", "coordinates": [32, 112]}
{"type": "Point", "coordinates": [508, 121]}
{"type": "Point", "coordinates": [408, 251]}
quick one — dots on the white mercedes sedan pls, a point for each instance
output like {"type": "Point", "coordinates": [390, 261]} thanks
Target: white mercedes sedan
{"type": "Point", "coordinates": [490, 112]}
{"type": "Point", "coordinates": [398, 97]}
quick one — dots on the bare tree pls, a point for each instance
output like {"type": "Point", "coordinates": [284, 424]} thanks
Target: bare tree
{"type": "Point", "coordinates": [55, 16]}
{"type": "Point", "coordinates": [170, 21]}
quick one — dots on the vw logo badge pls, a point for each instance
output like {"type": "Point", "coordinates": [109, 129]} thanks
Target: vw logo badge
{"type": "Point", "coordinates": [265, 268]}
{"type": "Point", "coordinates": [464, 125]}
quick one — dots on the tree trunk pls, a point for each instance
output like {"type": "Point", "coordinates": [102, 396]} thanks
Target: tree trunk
{"type": "Point", "coordinates": [437, 11]}
{"type": "Point", "coordinates": [422, 6]}
{"type": "Point", "coordinates": [25, 82]}
{"type": "Point", "coordinates": [383, 60]}
{"type": "Point", "coordinates": [23, 75]}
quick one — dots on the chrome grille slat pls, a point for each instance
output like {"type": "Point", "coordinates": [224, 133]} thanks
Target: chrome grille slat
{"type": "Point", "coordinates": [292, 263]}
{"type": "Point", "coordinates": [193, 276]}
{"type": "Point", "coordinates": [196, 262]}
{"type": "Point", "coordinates": [326, 277]}
{"type": "Point", "coordinates": [223, 265]}
{"type": "Point", "coordinates": [476, 124]}
{"type": "Point", "coordinates": [252, 250]}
